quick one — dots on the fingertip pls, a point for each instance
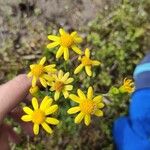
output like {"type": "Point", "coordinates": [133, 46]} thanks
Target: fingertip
{"type": "Point", "coordinates": [23, 79]}
{"type": "Point", "coordinates": [13, 92]}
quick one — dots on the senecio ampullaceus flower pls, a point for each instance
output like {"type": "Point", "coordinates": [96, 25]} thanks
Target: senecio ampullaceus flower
{"type": "Point", "coordinates": [87, 63]}
{"type": "Point", "coordinates": [61, 84]}
{"type": "Point", "coordinates": [41, 72]}
{"type": "Point", "coordinates": [87, 106]}
{"type": "Point", "coordinates": [40, 115]}
{"type": "Point", "coordinates": [67, 42]}
{"type": "Point", "coordinates": [128, 86]}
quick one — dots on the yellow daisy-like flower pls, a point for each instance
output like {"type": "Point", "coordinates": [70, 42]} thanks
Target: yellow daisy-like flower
{"type": "Point", "coordinates": [87, 63]}
{"type": "Point", "coordinates": [66, 41]}
{"type": "Point", "coordinates": [40, 114]}
{"type": "Point", "coordinates": [87, 106]}
{"type": "Point", "coordinates": [41, 72]}
{"type": "Point", "coordinates": [128, 86]}
{"type": "Point", "coordinates": [61, 84]}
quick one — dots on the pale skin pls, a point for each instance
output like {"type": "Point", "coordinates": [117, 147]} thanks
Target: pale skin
{"type": "Point", "coordinates": [11, 94]}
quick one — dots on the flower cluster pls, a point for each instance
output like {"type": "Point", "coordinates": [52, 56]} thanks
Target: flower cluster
{"type": "Point", "coordinates": [59, 85]}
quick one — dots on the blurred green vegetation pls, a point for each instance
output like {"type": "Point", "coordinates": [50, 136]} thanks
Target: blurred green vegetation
{"type": "Point", "coordinates": [119, 38]}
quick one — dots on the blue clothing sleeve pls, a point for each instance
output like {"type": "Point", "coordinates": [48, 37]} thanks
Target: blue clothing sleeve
{"type": "Point", "coordinates": [132, 132]}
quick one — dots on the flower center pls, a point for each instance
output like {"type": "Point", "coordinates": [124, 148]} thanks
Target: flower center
{"type": "Point", "coordinates": [38, 116]}
{"type": "Point", "coordinates": [37, 70]}
{"type": "Point", "coordinates": [66, 40]}
{"type": "Point", "coordinates": [58, 86]}
{"type": "Point", "coordinates": [88, 106]}
{"type": "Point", "coordinates": [86, 61]}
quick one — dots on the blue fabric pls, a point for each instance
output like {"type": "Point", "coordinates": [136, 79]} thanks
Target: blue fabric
{"type": "Point", "coordinates": [142, 77]}
{"type": "Point", "coordinates": [132, 132]}
{"type": "Point", "coordinates": [125, 137]}
{"type": "Point", "coordinates": [141, 68]}
{"type": "Point", "coordinates": [142, 81]}
{"type": "Point", "coordinates": [139, 112]}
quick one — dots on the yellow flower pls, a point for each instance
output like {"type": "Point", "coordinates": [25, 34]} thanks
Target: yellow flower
{"type": "Point", "coordinates": [87, 63]}
{"type": "Point", "coordinates": [128, 86]}
{"type": "Point", "coordinates": [87, 106]}
{"type": "Point", "coordinates": [41, 72]}
{"type": "Point", "coordinates": [34, 90]}
{"type": "Point", "coordinates": [40, 114]}
{"type": "Point", "coordinates": [61, 84]}
{"type": "Point", "coordinates": [66, 41]}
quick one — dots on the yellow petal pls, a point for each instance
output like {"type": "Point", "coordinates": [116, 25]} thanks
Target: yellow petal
{"type": "Point", "coordinates": [99, 113]}
{"type": "Point", "coordinates": [87, 119]}
{"type": "Point", "coordinates": [78, 39]}
{"type": "Point", "coordinates": [79, 58]}
{"type": "Point", "coordinates": [95, 63]}
{"type": "Point", "coordinates": [35, 103]}
{"type": "Point", "coordinates": [53, 38]}
{"type": "Point", "coordinates": [98, 99]}
{"type": "Point", "coordinates": [29, 74]}
{"type": "Point", "coordinates": [34, 81]}
{"type": "Point", "coordinates": [47, 77]}
{"type": "Point", "coordinates": [43, 82]}
{"type": "Point", "coordinates": [73, 110]}
{"type": "Point", "coordinates": [55, 77]}
{"type": "Point", "coordinates": [60, 74]}
{"type": "Point", "coordinates": [79, 117]}
{"type": "Point", "coordinates": [56, 95]}
{"type": "Point", "coordinates": [52, 45]}
{"type": "Point", "coordinates": [50, 68]}
{"type": "Point", "coordinates": [78, 69]}
{"type": "Point", "coordinates": [32, 66]}
{"type": "Point", "coordinates": [52, 88]}
{"type": "Point", "coordinates": [74, 98]}
{"type": "Point", "coordinates": [100, 105]}
{"type": "Point", "coordinates": [65, 77]}
{"type": "Point", "coordinates": [76, 50]}
{"type": "Point", "coordinates": [90, 93]}
{"type": "Point", "coordinates": [88, 70]}
{"type": "Point", "coordinates": [26, 118]}
{"type": "Point", "coordinates": [46, 128]}
{"type": "Point", "coordinates": [62, 31]}
{"type": "Point", "coordinates": [42, 61]}
{"type": "Point", "coordinates": [73, 33]}
{"type": "Point", "coordinates": [87, 53]}
{"type": "Point", "coordinates": [60, 52]}
{"type": "Point", "coordinates": [52, 121]}
{"type": "Point", "coordinates": [45, 103]}
{"type": "Point", "coordinates": [81, 94]}
{"type": "Point", "coordinates": [65, 93]}
{"type": "Point", "coordinates": [69, 80]}
{"type": "Point", "coordinates": [68, 87]}
{"type": "Point", "coordinates": [27, 110]}
{"type": "Point", "coordinates": [66, 53]}
{"type": "Point", "coordinates": [36, 129]}
{"type": "Point", "coordinates": [51, 109]}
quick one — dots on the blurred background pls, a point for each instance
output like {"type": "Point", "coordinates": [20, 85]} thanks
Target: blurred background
{"type": "Point", "coordinates": [117, 31]}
